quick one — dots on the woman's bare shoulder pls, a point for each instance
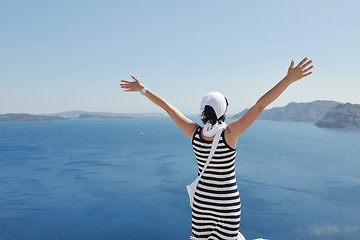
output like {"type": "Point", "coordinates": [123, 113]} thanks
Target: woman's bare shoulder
{"type": "Point", "coordinates": [230, 138]}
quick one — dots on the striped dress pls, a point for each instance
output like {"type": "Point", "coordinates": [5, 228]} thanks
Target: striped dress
{"type": "Point", "coordinates": [217, 207]}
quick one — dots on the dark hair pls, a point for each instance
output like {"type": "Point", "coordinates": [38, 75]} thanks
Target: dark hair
{"type": "Point", "coordinates": [208, 115]}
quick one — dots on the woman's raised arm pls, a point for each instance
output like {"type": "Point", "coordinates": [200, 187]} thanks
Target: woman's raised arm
{"type": "Point", "coordinates": [239, 126]}
{"type": "Point", "coordinates": [185, 124]}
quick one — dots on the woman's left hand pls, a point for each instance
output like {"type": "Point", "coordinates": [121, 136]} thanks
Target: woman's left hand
{"type": "Point", "coordinates": [301, 70]}
{"type": "Point", "coordinates": [134, 86]}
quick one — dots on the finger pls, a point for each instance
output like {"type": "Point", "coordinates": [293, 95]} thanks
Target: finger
{"type": "Point", "coordinates": [307, 69]}
{"type": "Point", "coordinates": [306, 64]}
{"type": "Point", "coordinates": [302, 62]}
{"type": "Point", "coordinates": [136, 79]}
{"type": "Point", "coordinates": [125, 81]}
{"type": "Point", "coordinates": [291, 64]}
{"type": "Point", "coordinates": [307, 74]}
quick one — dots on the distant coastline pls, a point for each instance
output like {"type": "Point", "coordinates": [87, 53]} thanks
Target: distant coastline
{"type": "Point", "coordinates": [101, 115]}
{"type": "Point", "coordinates": [299, 112]}
{"type": "Point", "coordinates": [326, 114]}
{"type": "Point", "coordinates": [25, 117]}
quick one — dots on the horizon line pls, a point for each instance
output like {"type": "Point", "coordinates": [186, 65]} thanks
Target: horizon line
{"type": "Point", "coordinates": [154, 112]}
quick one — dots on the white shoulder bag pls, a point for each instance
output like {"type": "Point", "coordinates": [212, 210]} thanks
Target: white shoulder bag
{"type": "Point", "coordinates": [192, 187]}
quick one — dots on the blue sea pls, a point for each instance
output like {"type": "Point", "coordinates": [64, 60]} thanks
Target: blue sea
{"type": "Point", "coordinates": [126, 179]}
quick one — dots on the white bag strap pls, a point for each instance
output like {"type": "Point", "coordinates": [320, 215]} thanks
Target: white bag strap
{"type": "Point", "coordinates": [213, 149]}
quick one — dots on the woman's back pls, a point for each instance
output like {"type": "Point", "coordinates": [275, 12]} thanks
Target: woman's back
{"type": "Point", "coordinates": [217, 207]}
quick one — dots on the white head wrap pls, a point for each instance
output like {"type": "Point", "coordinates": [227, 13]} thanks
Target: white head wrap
{"type": "Point", "coordinates": [218, 102]}
{"type": "Point", "coordinates": [215, 100]}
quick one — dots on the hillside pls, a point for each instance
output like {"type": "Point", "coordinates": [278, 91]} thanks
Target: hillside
{"type": "Point", "coordinates": [345, 116]}
{"type": "Point", "coordinates": [301, 112]}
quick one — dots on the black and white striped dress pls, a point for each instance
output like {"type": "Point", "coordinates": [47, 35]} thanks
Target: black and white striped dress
{"type": "Point", "coordinates": [217, 207]}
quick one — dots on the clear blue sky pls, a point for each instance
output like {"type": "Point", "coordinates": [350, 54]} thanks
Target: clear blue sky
{"type": "Point", "coordinates": [65, 55]}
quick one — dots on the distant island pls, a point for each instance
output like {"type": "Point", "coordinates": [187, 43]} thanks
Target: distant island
{"type": "Point", "coordinates": [23, 117]}
{"type": "Point", "coordinates": [99, 116]}
{"type": "Point", "coordinates": [345, 116]}
{"type": "Point", "coordinates": [300, 112]}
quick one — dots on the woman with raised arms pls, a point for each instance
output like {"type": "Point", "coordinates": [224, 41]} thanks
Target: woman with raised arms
{"type": "Point", "coordinates": [216, 206]}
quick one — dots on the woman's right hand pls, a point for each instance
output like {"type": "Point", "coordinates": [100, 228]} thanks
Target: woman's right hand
{"type": "Point", "coordinates": [134, 86]}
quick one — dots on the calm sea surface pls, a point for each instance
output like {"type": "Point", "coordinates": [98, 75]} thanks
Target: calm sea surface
{"type": "Point", "coordinates": [125, 179]}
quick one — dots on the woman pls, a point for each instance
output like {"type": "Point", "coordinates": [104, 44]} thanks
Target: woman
{"type": "Point", "coordinates": [217, 208]}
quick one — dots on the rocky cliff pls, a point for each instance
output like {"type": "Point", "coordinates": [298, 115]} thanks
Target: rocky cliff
{"type": "Point", "coordinates": [301, 112]}
{"type": "Point", "coordinates": [341, 116]}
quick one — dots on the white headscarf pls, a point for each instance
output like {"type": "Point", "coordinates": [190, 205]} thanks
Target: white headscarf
{"type": "Point", "coordinates": [218, 102]}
